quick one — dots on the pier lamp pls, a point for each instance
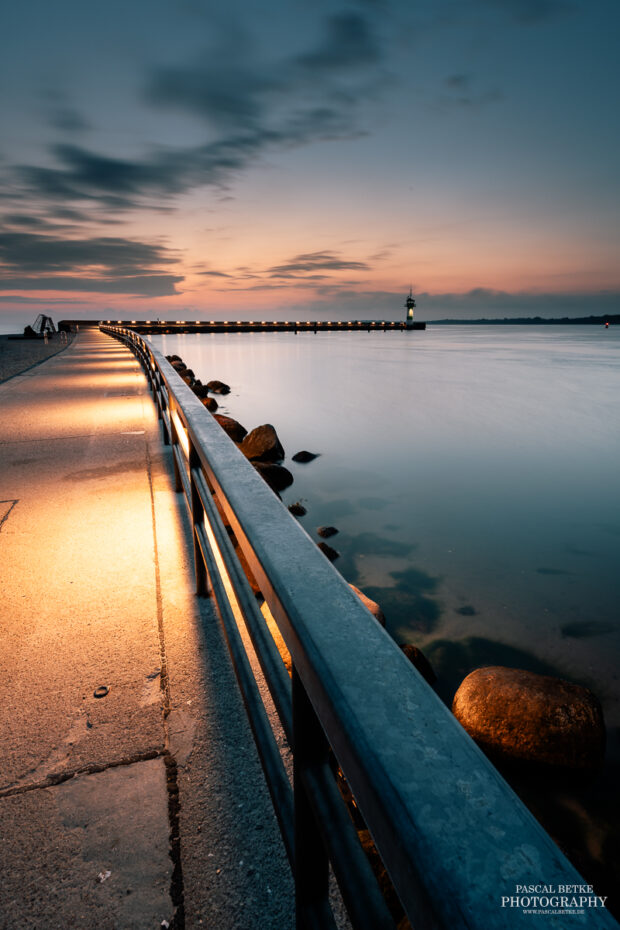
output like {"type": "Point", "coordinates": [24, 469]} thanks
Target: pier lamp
{"type": "Point", "coordinates": [197, 322]}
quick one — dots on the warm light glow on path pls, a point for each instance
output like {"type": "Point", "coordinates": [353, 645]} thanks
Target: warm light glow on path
{"type": "Point", "coordinates": [98, 591]}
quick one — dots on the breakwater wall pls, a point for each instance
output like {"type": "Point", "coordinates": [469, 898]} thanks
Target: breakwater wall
{"type": "Point", "coordinates": [150, 327]}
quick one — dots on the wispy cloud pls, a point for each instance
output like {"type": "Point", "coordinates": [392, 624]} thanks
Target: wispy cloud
{"type": "Point", "coordinates": [249, 107]}
{"type": "Point", "coordinates": [315, 261]}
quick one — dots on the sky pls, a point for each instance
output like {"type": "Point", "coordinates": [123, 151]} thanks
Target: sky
{"type": "Point", "coordinates": [286, 160]}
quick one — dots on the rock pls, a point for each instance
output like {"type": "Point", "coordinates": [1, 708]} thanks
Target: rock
{"type": "Point", "coordinates": [263, 445]}
{"type": "Point", "coordinates": [417, 658]}
{"type": "Point", "coordinates": [277, 476]}
{"type": "Point", "coordinates": [235, 430]}
{"type": "Point", "coordinates": [304, 456]}
{"type": "Point", "coordinates": [523, 717]}
{"type": "Point", "coordinates": [327, 551]}
{"type": "Point", "coordinates": [218, 387]}
{"type": "Point", "coordinates": [297, 509]}
{"type": "Point", "coordinates": [210, 403]}
{"type": "Point", "coordinates": [178, 365]}
{"type": "Point", "coordinates": [187, 377]}
{"type": "Point", "coordinates": [372, 606]}
{"type": "Point", "coordinates": [200, 389]}
{"type": "Point", "coordinates": [174, 358]}
{"type": "Point", "coordinates": [326, 531]}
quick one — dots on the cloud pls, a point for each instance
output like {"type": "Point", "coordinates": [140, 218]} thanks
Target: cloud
{"type": "Point", "coordinates": [155, 285]}
{"type": "Point", "coordinates": [32, 261]}
{"type": "Point", "coordinates": [314, 261]}
{"type": "Point", "coordinates": [249, 107]}
{"type": "Point", "coordinates": [349, 42]}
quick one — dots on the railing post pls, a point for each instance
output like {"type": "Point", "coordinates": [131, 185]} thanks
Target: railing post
{"type": "Point", "coordinates": [174, 440]}
{"type": "Point", "coordinates": [311, 863]}
{"type": "Point", "coordinates": [198, 517]}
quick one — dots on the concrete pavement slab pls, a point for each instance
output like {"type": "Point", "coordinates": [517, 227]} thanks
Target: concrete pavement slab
{"type": "Point", "coordinates": [92, 852]}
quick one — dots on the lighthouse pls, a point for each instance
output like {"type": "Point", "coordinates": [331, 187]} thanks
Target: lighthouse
{"type": "Point", "coordinates": [410, 304]}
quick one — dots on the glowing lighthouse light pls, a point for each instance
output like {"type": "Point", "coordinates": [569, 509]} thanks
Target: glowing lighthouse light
{"type": "Point", "coordinates": [410, 304]}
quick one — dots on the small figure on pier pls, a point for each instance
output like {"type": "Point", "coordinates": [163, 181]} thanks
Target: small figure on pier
{"type": "Point", "coordinates": [410, 304]}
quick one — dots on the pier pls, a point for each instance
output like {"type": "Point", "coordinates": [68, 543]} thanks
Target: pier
{"type": "Point", "coordinates": [134, 789]}
{"type": "Point", "coordinates": [161, 327]}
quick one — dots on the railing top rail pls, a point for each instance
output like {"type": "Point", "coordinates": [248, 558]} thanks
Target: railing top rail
{"type": "Point", "coordinates": [452, 834]}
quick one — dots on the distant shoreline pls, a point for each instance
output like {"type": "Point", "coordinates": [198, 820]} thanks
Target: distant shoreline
{"type": "Point", "coordinates": [612, 319]}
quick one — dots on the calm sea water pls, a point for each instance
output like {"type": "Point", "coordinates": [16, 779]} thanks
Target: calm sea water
{"type": "Point", "coordinates": [472, 473]}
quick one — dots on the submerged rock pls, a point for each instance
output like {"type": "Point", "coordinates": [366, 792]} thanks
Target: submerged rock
{"type": "Point", "coordinates": [523, 717]}
{"type": "Point", "coordinates": [419, 660]}
{"type": "Point", "coordinates": [305, 456]}
{"type": "Point", "coordinates": [326, 531]}
{"type": "Point", "coordinates": [371, 605]}
{"type": "Point", "coordinates": [277, 476]}
{"type": "Point", "coordinates": [235, 430]}
{"type": "Point", "coordinates": [218, 387]}
{"type": "Point", "coordinates": [327, 551]}
{"type": "Point", "coordinates": [262, 445]}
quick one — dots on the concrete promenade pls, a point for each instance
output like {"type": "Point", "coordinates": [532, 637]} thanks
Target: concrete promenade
{"type": "Point", "coordinates": [130, 791]}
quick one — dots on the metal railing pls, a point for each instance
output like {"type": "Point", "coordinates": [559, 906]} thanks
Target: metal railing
{"type": "Point", "coordinates": [454, 838]}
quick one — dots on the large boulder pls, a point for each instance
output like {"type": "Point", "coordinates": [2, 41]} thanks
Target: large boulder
{"type": "Point", "coordinates": [200, 390]}
{"type": "Point", "coordinates": [522, 717]}
{"type": "Point", "coordinates": [419, 660]}
{"type": "Point", "coordinates": [235, 430]}
{"type": "Point", "coordinates": [262, 445]}
{"type": "Point", "coordinates": [210, 403]}
{"type": "Point", "coordinates": [218, 387]}
{"type": "Point", "coordinates": [277, 476]}
{"type": "Point", "coordinates": [371, 605]}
